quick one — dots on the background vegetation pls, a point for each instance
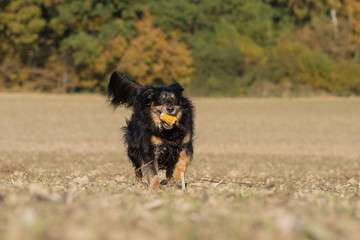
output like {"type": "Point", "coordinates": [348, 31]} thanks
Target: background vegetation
{"type": "Point", "coordinates": [215, 47]}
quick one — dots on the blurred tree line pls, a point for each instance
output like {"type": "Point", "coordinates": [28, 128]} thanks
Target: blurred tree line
{"type": "Point", "coordinates": [214, 47]}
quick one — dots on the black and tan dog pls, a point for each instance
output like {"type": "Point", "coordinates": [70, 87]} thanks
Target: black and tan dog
{"type": "Point", "coordinates": [153, 144]}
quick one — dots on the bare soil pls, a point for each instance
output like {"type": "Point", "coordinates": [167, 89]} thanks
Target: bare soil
{"type": "Point", "coordinates": [263, 169]}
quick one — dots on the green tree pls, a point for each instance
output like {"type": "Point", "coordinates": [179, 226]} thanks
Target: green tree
{"type": "Point", "coordinates": [21, 24]}
{"type": "Point", "coordinates": [239, 47]}
{"type": "Point", "coordinates": [154, 56]}
{"type": "Point", "coordinates": [295, 65]}
{"type": "Point", "coordinates": [251, 18]}
{"type": "Point", "coordinates": [219, 61]}
{"type": "Point", "coordinates": [346, 75]}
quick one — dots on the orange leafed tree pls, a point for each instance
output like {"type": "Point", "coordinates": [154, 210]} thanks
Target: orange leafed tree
{"type": "Point", "coordinates": [356, 18]}
{"type": "Point", "coordinates": [154, 56]}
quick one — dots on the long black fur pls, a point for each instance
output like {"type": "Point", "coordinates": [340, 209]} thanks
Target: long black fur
{"type": "Point", "coordinates": [122, 90]}
{"type": "Point", "coordinates": [141, 127]}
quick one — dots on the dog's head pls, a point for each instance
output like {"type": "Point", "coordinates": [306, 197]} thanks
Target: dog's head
{"type": "Point", "coordinates": [165, 100]}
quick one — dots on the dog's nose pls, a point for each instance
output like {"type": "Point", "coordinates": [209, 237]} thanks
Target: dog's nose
{"type": "Point", "coordinates": [170, 109]}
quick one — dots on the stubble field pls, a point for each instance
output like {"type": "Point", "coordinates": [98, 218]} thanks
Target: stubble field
{"type": "Point", "coordinates": [263, 169]}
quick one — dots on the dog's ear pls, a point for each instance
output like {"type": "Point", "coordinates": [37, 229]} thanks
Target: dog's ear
{"type": "Point", "coordinates": [177, 86]}
{"type": "Point", "coordinates": [148, 96]}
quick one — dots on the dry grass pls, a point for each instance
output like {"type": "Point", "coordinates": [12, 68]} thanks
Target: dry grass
{"type": "Point", "coordinates": [263, 169]}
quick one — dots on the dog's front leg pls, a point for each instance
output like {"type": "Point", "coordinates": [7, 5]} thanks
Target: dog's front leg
{"type": "Point", "coordinates": [138, 176]}
{"type": "Point", "coordinates": [149, 170]}
{"type": "Point", "coordinates": [180, 168]}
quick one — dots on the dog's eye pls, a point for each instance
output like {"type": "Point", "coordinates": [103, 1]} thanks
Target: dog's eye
{"type": "Point", "coordinates": [162, 98]}
{"type": "Point", "coordinates": [172, 96]}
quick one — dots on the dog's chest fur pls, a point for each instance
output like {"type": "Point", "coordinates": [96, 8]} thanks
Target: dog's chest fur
{"type": "Point", "coordinates": [167, 151]}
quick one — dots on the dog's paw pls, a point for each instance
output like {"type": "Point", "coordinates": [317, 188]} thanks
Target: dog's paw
{"type": "Point", "coordinates": [155, 183]}
{"type": "Point", "coordinates": [164, 182]}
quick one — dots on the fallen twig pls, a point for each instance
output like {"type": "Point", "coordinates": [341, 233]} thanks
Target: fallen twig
{"type": "Point", "coordinates": [182, 181]}
{"type": "Point", "coordinates": [138, 169]}
{"type": "Point", "coordinates": [215, 185]}
{"type": "Point", "coordinates": [197, 185]}
{"type": "Point", "coordinates": [227, 182]}
{"type": "Point", "coordinates": [151, 185]}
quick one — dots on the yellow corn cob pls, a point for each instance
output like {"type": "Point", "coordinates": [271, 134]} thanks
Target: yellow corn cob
{"type": "Point", "coordinates": [169, 119]}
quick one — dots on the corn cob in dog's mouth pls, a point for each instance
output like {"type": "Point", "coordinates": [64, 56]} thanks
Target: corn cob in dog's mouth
{"type": "Point", "coordinates": [169, 120]}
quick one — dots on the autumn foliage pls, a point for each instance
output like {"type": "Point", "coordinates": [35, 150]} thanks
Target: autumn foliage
{"type": "Point", "coordinates": [214, 47]}
{"type": "Point", "coordinates": [156, 57]}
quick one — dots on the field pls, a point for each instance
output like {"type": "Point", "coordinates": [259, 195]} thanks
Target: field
{"type": "Point", "coordinates": [263, 169]}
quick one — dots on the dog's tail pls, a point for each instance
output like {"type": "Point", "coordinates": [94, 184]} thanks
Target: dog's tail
{"type": "Point", "coordinates": [122, 90]}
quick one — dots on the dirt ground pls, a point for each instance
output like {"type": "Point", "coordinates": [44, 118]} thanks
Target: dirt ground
{"type": "Point", "coordinates": [263, 169]}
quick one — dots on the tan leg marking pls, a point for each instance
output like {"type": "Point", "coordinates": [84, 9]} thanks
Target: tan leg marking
{"type": "Point", "coordinates": [181, 165]}
{"type": "Point", "coordinates": [138, 177]}
{"type": "Point", "coordinates": [156, 184]}
{"type": "Point", "coordinates": [170, 182]}
{"type": "Point", "coordinates": [137, 181]}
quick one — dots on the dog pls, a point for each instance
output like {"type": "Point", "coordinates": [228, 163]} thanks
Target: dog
{"type": "Point", "coordinates": [153, 144]}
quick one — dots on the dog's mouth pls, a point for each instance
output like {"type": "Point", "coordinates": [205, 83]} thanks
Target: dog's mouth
{"type": "Point", "coordinates": [167, 126]}
{"type": "Point", "coordinates": [164, 124]}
